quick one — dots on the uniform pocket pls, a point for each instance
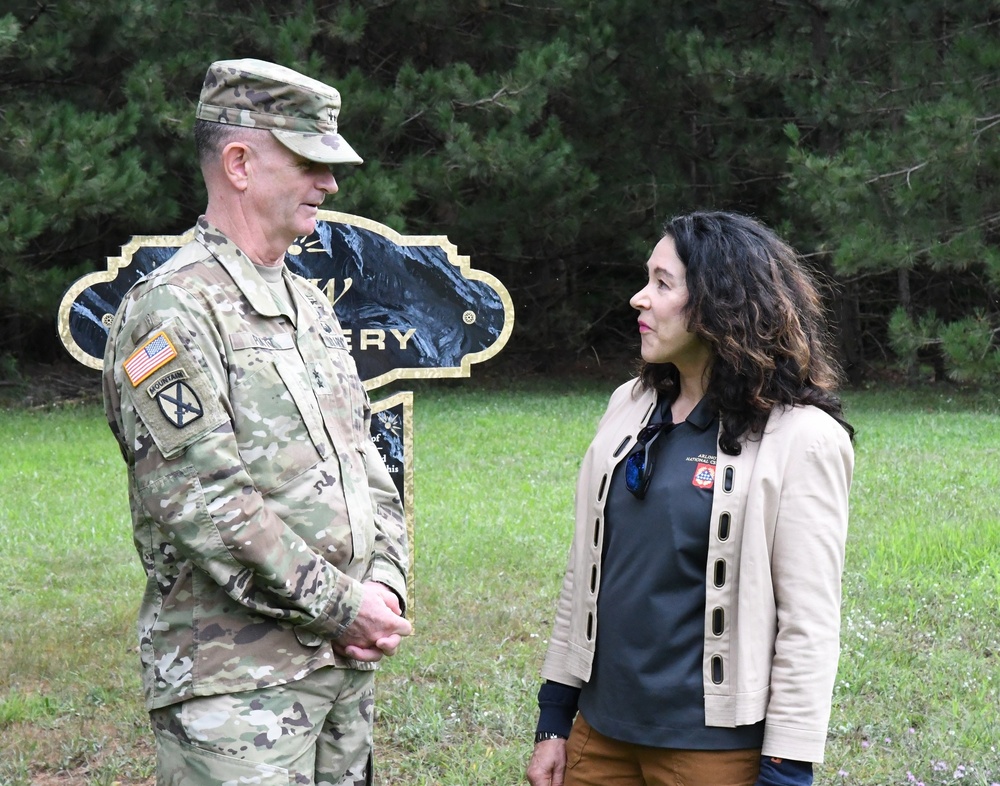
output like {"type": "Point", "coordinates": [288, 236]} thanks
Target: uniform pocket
{"type": "Point", "coordinates": [183, 764]}
{"type": "Point", "coordinates": [348, 389]}
{"type": "Point", "coordinates": [279, 430]}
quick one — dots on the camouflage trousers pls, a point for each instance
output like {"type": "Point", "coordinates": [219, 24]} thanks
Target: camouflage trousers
{"type": "Point", "coordinates": [316, 731]}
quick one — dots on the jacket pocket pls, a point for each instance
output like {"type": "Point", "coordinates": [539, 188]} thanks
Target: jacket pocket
{"type": "Point", "coordinates": [279, 429]}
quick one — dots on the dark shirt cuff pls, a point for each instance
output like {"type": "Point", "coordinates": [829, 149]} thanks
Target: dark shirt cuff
{"type": "Point", "coordinates": [556, 708]}
{"type": "Point", "coordinates": [784, 772]}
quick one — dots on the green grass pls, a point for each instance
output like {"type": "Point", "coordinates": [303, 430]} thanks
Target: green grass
{"type": "Point", "coordinates": [920, 666]}
{"type": "Point", "coordinates": [69, 580]}
{"type": "Point", "coordinates": [916, 697]}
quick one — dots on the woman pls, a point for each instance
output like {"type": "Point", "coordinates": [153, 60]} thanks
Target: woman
{"type": "Point", "coordinates": [697, 632]}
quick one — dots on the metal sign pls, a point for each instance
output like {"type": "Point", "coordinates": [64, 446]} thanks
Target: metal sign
{"type": "Point", "coordinates": [410, 306]}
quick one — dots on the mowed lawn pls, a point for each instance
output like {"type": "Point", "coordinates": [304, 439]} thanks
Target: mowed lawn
{"type": "Point", "coordinates": [916, 699]}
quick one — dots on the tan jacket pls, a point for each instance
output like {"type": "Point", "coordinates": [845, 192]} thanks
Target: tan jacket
{"type": "Point", "coordinates": [775, 558]}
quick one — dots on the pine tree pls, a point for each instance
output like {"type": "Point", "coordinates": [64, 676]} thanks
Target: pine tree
{"type": "Point", "coordinates": [548, 140]}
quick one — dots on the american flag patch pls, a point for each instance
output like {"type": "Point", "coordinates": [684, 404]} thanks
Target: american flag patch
{"type": "Point", "coordinates": [150, 356]}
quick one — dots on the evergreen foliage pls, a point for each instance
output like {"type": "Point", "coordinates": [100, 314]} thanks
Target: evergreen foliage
{"type": "Point", "coordinates": [548, 140]}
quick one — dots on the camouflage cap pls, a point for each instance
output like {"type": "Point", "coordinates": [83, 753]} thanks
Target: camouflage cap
{"type": "Point", "coordinates": [301, 112]}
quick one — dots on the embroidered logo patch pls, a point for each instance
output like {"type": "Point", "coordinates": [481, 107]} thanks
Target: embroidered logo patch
{"type": "Point", "coordinates": [156, 352]}
{"type": "Point", "coordinates": [180, 404]}
{"type": "Point", "coordinates": [171, 376]}
{"type": "Point", "coordinates": [704, 476]}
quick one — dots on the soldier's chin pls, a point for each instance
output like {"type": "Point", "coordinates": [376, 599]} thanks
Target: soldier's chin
{"type": "Point", "coordinates": [308, 223]}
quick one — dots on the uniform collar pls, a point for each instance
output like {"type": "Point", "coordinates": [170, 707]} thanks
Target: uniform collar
{"type": "Point", "coordinates": [254, 288]}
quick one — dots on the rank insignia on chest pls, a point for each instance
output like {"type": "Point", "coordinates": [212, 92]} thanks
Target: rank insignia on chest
{"type": "Point", "coordinates": [704, 476]}
{"type": "Point", "coordinates": [155, 353]}
{"type": "Point", "coordinates": [180, 404]}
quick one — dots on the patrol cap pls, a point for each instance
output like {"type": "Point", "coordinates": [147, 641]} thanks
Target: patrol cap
{"type": "Point", "coordinates": [301, 112]}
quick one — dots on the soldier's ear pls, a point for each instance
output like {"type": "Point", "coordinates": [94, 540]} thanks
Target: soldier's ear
{"type": "Point", "coordinates": [236, 164]}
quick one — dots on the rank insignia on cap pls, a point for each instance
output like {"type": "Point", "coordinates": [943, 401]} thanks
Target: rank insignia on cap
{"type": "Point", "coordinates": [704, 476]}
{"type": "Point", "coordinates": [180, 404]}
{"type": "Point", "coordinates": [156, 352]}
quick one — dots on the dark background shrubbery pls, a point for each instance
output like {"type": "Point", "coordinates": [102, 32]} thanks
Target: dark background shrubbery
{"type": "Point", "coordinates": [548, 139]}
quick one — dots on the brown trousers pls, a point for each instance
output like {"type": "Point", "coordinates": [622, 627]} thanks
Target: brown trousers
{"type": "Point", "coordinates": [595, 760]}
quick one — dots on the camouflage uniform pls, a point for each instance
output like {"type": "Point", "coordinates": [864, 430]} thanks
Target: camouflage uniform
{"type": "Point", "coordinates": [259, 502]}
{"type": "Point", "coordinates": [280, 735]}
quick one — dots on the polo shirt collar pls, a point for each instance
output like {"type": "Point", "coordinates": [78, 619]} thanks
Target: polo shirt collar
{"type": "Point", "coordinates": [703, 415]}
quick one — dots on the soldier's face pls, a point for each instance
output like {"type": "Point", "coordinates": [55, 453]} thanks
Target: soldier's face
{"type": "Point", "coordinates": [287, 190]}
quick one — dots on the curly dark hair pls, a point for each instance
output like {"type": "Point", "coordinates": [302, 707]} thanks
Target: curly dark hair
{"type": "Point", "coordinates": [753, 302]}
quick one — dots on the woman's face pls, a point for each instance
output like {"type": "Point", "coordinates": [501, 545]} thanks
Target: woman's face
{"type": "Point", "coordinates": [663, 326]}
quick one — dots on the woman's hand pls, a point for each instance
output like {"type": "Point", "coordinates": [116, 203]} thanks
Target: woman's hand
{"type": "Point", "coordinates": [547, 766]}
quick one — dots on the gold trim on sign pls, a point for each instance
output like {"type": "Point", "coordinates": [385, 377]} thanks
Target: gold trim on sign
{"type": "Point", "coordinates": [106, 276]}
{"type": "Point", "coordinates": [462, 262]}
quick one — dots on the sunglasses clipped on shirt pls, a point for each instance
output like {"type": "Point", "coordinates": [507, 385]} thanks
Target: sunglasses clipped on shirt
{"type": "Point", "coordinates": [639, 464]}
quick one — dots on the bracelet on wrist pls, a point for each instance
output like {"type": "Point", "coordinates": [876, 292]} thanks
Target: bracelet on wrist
{"type": "Point", "coordinates": [542, 736]}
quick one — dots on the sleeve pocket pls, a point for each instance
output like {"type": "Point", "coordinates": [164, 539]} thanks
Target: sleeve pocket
{"type": "Point", "coordinates": [178, 409]}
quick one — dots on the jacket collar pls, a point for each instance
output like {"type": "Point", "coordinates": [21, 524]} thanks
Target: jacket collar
{"type": "Point", "coordinates": [240, 268]}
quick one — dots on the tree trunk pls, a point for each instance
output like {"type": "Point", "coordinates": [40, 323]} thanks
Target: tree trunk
{"type": "Point", "coordinates": [846, 311]}
{"type": "Point", "coordinates": [906, 303]}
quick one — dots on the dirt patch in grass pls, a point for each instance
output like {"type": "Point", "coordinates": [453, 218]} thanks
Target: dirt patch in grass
{"type": "Point", "coordinates": [78, 750]}
{"type": "Point", "coordinates": [82, 777]}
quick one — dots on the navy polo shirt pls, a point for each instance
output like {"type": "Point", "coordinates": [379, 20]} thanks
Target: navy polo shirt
{"type": "Point", "coordinates": [646, 685]}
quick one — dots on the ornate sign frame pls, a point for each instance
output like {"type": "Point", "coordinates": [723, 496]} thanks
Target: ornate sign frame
{"type": "Point", "coordinates": [440, 290]}
{"type": "Point", "coordinates": [414, 290]}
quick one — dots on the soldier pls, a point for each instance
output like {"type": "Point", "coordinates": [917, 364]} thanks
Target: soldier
{"type": "Point", "coordinates": [270, 532]}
